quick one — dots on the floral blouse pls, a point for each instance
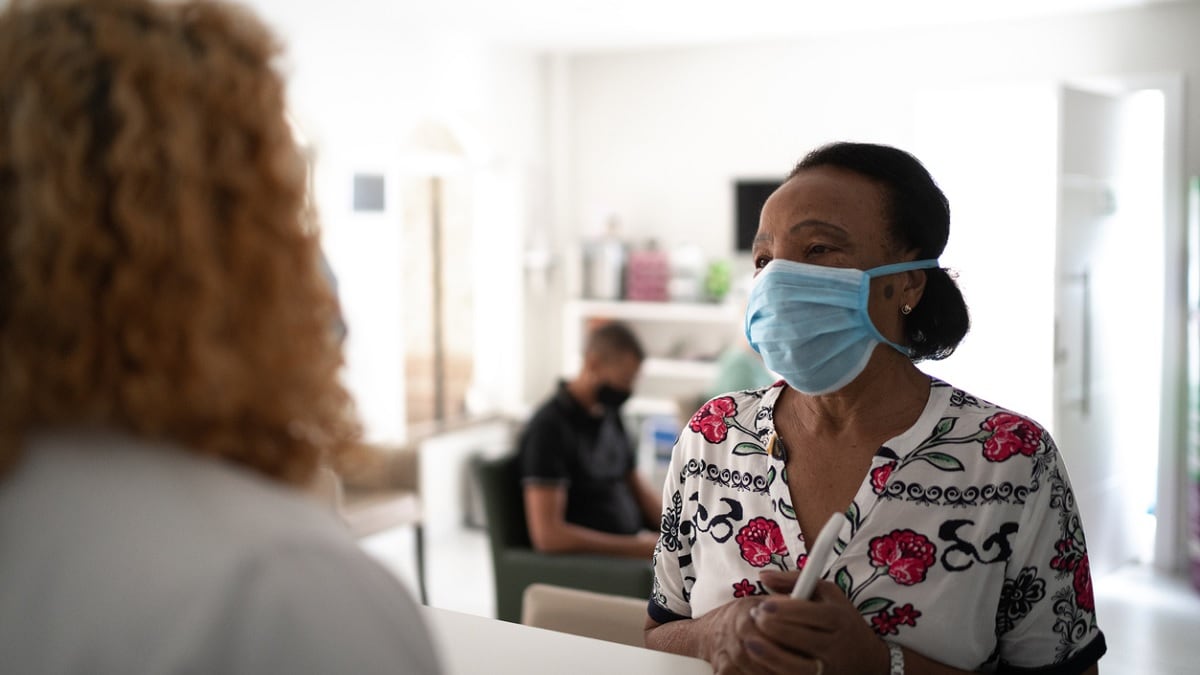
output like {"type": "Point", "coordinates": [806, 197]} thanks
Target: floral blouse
{"type": "Point", "coordinates": [963, 543]}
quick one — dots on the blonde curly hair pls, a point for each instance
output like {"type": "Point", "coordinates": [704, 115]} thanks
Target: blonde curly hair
{"type": "Point", "coordinates": [158, 268]}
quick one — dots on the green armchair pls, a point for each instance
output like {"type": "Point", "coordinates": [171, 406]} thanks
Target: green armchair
{"type": "Point", "coordinates": [517, 565]}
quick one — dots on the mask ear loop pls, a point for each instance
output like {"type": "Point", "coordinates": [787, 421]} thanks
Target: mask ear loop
{"type": "Point", "coordinates": [883, 271]}
{"type": "Point", "coordinates": [909, 266]}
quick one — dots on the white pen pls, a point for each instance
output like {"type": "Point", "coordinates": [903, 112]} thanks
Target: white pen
{"type": "Point", "coordinates": [818, 557]}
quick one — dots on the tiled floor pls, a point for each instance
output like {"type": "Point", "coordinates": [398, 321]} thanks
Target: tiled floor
{"type": "Point", "coordinates": [457, 562]}
{"type": "Point", "coordinates": [1151, 622]}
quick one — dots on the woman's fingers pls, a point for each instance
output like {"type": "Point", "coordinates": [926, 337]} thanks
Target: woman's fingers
{"type": "Point", "coordinates": [779, 582]}
{"type": "Point", "coordinates": [828, 628]}
{"type": "Point", "coordinates": [727, 663]}
{"type": "Point", "coordinates": [769, 657]}
{"type": "Point", "coordinates": [728, 629]}
{"type": "Point", "coordinates": [793, 635]}
{"type": "Point", "coordinates": [804, 625]}
{"type": "Point", "coordinates": [829, 591]}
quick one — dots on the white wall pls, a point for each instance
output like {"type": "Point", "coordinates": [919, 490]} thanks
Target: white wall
{"type": "Point", "coordinates": [359, 83]}
{"type": "Point", "coordinates": [657, 136]}
{"type": "Point", "coordinates": [1003, 205]}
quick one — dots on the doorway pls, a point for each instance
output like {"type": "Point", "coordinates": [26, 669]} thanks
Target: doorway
{"type": "Point", "coordinates": [1019, 161]}
{"type": "Point", "coordinates": [1109, 313]}
{"type": "Point", "coordinates": [437, 246]}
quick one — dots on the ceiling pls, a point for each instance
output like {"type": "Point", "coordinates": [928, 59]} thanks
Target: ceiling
{"type": "Point", "coordinates": [587, 25]}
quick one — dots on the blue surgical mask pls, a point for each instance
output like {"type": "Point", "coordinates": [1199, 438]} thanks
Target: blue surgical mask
{"type": "Point", "coordinates": [810, 323]}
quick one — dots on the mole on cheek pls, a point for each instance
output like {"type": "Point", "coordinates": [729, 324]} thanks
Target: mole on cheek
{"type": "Point", "coordinates": [888, 291]}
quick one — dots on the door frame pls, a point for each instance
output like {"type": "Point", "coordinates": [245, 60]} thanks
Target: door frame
{"type": "Point", "coordinates": [1170, 553]}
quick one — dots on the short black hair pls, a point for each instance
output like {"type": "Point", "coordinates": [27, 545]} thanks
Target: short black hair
{"type": "Point", "coordinates": [919, 218]}
{"type": "Point", "coordinates": [612, 338]}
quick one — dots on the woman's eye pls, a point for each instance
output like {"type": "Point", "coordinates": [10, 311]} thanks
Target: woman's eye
{"type": "Point", "coordinates": [818, 249]}
{"type": "Point", "coordinates": [761, 262]}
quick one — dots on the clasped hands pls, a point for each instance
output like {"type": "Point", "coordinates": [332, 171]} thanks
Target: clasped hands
{"type": "Point", "coordinates": [776, 634]}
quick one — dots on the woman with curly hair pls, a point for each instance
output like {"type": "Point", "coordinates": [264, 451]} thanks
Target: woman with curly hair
{"type": "Point", "coordinates": [168, 376]}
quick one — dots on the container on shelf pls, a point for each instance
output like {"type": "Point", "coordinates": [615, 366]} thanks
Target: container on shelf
{"type": "Point", "coordinates": [687, 274]}
{"type": "Point", "coordinates": [647, 275]}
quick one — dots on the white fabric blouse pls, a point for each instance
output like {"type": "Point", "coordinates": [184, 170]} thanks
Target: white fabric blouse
{"type": "Point", "coordinates": [963, 543]}
{"type": "Point", "coordinates": [123, 557]}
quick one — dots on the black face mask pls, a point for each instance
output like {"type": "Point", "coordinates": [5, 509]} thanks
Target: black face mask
{"type": "Point", "coordinates": [611, 397]}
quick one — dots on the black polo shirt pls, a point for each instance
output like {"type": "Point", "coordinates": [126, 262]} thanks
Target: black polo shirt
{"type": "Point", "coordinates": [564, 443]}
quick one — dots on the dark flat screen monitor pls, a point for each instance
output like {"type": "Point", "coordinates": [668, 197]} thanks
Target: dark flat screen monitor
{"type": "Point", "coordinates": [748, 199]}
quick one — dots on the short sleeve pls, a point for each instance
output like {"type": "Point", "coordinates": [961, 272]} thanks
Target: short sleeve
{"type": "Point", "coordinates": [1047, 613]}
{"type": "Point", "coordinates": [542, 448]}
{"type": "Point", "coordinates": [317, 608]}
{"type": "Point", "coordinates": [670, 599]}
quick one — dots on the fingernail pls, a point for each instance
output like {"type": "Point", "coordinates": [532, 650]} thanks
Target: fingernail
{"type": "Point", "coordinates": [755, 647]}
{"type": "Point", "coordinates": [768, 606]}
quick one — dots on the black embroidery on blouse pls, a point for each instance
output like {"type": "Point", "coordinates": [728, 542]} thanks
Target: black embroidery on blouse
{"type": "Point", "coordinates": [1071, 623]}
{"type": "Point", "coordinates": [960, 399]}
{"type": "Point", "coordinates": [720, 526]}
{"type": "Point", "coordinates": [670, 524]}
{"type": "Point", "coordinates": [962, 554]}
{"type": "Point", "coordinates": [972, 495]}
{"type": "Point", "coordinates": [738, 480]}
{"type": "Point", "coordinates": [1017, 598]}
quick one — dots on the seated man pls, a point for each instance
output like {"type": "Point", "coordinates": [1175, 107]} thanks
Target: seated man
{"type": "Point", "coordinates": [582, 492]}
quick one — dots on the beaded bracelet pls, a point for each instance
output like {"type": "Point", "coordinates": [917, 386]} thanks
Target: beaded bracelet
{"type": "Point", "coordinates": [897, 655]}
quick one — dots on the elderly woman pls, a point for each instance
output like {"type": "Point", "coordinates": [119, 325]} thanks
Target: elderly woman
{"type": "Point", "coordinates": [961, 548]}
{"type": "Point", "coordinates": [168, 376]}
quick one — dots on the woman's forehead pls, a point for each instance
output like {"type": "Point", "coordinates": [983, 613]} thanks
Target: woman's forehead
{"type": "Point", "coordinates": [828, 199]}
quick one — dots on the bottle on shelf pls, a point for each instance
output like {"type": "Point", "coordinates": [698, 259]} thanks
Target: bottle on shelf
{"type": "Point", "coordinates": [604, 260]}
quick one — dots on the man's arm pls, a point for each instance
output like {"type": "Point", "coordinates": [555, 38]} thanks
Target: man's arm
{"type": "Point", "coordinates": [648, 499]}
{"type": "Point", "coordinates": [545, 515]}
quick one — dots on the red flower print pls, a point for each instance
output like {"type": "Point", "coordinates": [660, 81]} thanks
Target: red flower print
{"type": "Point", "coordinates": [880, 476]}
{"type": "Point", "coordinates": [1084, 597]}
{"type": "Point", "coordinates": [906, 555]}
{"type": "Point", "coordinates": [906, 615]}
{"type": "Point", "coordinates": [744, 589]}
{"type": "Point", "coordinates": [1068, 558]}
{"type": "Point", "coordinates": [801, 561]}
{"type": "Point", "coordinates": [709, 420]}
{"type": "Point", "coordinates": [886, 623]}
{"type": "Point", "coordinates": [762, 543]}
{"type": "Point", "coordinates": [1011, 435]}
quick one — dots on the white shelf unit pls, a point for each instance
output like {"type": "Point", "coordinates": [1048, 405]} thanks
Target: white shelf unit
{"type": "Point", "coordinates": [682, 341]}
{"type": "Point", "coordinates": [679, 369]}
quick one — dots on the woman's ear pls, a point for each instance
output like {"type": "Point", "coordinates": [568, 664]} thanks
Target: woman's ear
{"type": "Point", "coordinates": [914, 287]}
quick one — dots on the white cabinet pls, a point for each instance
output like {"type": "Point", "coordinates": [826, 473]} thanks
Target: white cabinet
{"type": "Point", "coordinates": [682, 342]}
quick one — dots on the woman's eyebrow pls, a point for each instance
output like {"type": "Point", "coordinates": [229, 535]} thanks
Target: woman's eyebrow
{"type": "Point", "coordinates": [826, 228]}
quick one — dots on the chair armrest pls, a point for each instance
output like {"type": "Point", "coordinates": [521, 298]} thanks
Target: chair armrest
{"type": "Point", "coordinates": [584, 562]}
{"type": "Point", "coordinates": [603, 574]}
